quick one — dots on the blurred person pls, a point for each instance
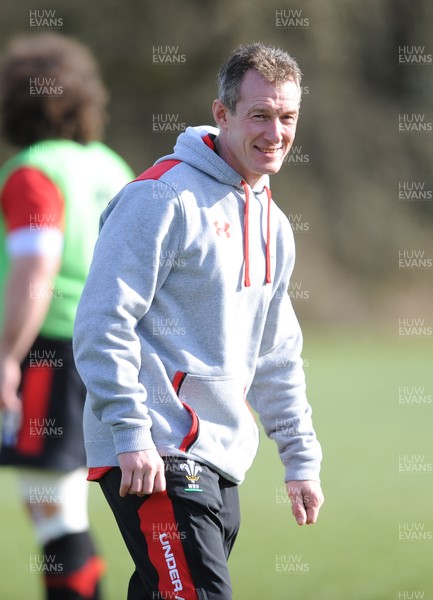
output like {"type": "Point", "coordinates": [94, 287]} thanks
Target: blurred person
{"type": "Point", "coordinates": [51, 195]}
{"type": "Point", "coordinates": [184, 317]}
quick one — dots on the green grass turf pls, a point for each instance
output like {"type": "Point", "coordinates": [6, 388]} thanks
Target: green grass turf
{"type": "Point", "coordinates": [354, 551]}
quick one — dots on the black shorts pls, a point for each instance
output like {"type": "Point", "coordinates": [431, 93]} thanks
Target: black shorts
{"type": "Point", "coordinates": [52, 393]}
{"type": "Point", "coordinates": [180, 539]}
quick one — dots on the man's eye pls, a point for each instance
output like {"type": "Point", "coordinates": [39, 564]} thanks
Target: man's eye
{"type": "Point", "coordinates": [259, 117]}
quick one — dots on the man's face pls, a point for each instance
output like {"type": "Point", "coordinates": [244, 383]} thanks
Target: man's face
{"type": "Point", "coordinates": [255, 139]}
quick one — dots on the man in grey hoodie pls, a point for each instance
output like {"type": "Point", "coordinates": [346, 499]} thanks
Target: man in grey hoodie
{"type": "Point", "coordinates": [183, 320]}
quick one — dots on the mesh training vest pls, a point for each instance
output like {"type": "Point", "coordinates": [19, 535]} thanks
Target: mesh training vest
{"type": "Point", "coordinates": [87, 176]}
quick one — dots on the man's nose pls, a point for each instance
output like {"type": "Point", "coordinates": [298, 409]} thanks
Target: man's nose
{"type": "Point", "coordinates": [273, 131]}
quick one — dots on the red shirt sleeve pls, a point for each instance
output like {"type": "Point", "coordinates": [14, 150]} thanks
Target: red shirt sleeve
{"type": "Point", "coordinates": [29, 199]}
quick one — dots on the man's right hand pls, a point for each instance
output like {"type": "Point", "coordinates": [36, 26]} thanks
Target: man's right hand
{"type": "Point", "coordinates": [10, 377]}
{"type": "Point", "coordinates": [142, 473]}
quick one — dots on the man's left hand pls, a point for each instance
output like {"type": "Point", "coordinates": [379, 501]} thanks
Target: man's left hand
{"type": "Point", "coordinates": [307, 498]}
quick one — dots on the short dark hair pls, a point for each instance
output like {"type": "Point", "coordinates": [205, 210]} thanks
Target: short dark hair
{"type": "Point", "coordinates": [273, 64]}
{"type": "Point", "coordinates": [75, 112]}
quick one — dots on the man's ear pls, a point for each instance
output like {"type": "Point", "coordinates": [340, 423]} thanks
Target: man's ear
{"type": "Point", "coordinates": [219, 111]}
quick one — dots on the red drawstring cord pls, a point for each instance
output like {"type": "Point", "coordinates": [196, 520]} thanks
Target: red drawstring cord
{"type": "Point", "coordinates": [268, 238]}
{"type": "Point", "coordinates": [247, 282]}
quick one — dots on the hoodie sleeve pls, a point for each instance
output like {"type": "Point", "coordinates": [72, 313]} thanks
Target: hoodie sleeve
{"type": "Point", "coordinates": [143, 221]}
{"type": "Point", "coordinates": [278, 391]}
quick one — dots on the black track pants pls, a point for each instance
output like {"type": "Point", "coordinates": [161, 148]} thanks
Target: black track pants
{"type": "Point", "coordinates": [180, 539]}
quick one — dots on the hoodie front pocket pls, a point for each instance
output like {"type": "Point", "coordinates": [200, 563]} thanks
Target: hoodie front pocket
{"type": "Point", "coordinates": [192, 434]}
{"type": "Point", "coordinates": [221, 420]}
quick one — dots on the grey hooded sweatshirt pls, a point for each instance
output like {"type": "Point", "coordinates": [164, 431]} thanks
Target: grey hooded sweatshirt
{"type": "Point", "coordinates": [185, 321]}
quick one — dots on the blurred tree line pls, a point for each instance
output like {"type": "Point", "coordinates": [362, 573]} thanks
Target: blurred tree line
{"type": "Point", "coordinates": [358, 184]}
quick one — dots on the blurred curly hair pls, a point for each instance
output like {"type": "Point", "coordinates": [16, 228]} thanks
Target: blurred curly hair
{"type": "Point", "coordinates": [78, 113]}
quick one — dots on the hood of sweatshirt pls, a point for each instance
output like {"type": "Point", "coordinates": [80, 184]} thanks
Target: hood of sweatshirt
{"type": "Point", "coordinates": [196, 147]}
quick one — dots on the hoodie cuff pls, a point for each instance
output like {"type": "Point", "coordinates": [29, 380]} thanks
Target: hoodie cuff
{"type": "Point", "coordinates": [308, 472]}
{"type": "Point", "coordinates": [132, 439]}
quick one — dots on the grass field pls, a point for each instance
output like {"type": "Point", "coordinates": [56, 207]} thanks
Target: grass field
{"type": "Point", "coordinates": [373, 411]}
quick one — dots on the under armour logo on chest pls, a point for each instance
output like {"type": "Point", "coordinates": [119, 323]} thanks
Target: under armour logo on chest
{"type": "Point", "coordinates": [222, 228]}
